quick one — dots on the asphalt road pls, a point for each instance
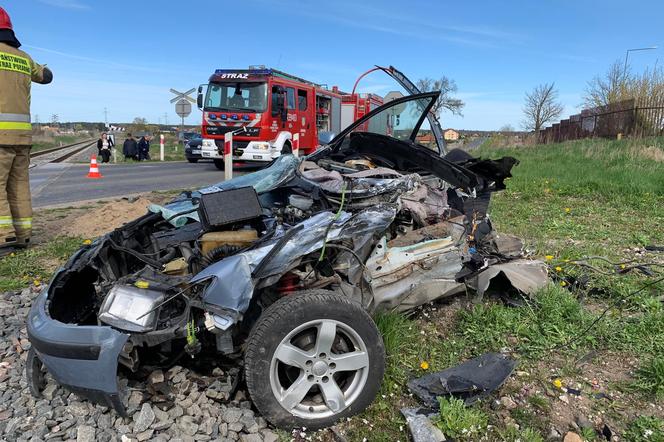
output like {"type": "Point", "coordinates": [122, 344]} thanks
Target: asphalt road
{"type": "Point", "coordinates": [61, 183]}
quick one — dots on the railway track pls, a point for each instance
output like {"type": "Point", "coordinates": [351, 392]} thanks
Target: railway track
{"type": "Point", "coordinates": [59, 154]}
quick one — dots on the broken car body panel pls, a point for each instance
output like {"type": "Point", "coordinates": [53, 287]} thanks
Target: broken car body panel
{"type": "Point", "coordinates": [85, 359]}
{"type": "Point", "coordinates": [373, 215]}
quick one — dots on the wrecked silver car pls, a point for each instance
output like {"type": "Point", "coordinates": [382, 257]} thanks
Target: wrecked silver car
{"type": "Point", "coordinates": [283, 267]}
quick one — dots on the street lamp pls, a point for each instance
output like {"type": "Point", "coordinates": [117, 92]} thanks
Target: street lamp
{"type": "Point", "coordinates": [634, 50]}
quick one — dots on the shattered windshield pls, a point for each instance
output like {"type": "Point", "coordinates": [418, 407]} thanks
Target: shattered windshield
{"type": "Point", "coordinates": [280, 171]}
{"type": "Point", "coordinates": [399, 120]}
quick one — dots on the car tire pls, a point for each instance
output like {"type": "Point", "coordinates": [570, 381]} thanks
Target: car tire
{"type": "Point", "coordinates": [287, 148]}
{"type": "Point", "coordinates": [192, 160]}
{"type": "Point", "coordinates": [219, 164]}
{"type": "Point", "coordinates": [313, 390]}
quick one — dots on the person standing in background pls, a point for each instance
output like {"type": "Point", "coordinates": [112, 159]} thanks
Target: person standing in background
{"type": "Point", "coordinates": [17, 72]}
{"type": "Point", "coordinates": [144, 148]}
{"type": "Point", "coordinates": [104, 146]}
{"type": "Point", "coordinates": [130, 148]}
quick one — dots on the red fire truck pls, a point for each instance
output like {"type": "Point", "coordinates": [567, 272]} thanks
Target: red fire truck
{"type": "Point", "coordinates": [277, 112]}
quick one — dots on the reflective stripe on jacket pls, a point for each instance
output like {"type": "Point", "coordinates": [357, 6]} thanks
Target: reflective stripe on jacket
{"type": "Point", "coordinates": [17, 72]}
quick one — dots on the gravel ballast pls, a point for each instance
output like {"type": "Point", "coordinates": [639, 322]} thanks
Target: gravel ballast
{"type": "Point", "coordinates": [173, 404]}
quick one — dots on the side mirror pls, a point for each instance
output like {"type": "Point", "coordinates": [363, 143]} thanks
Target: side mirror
{"type": "Point", "coordinates": [199, 97]}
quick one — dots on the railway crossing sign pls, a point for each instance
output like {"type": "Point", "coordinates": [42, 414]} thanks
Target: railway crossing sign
{"type": "Point", "coordinates": [183, 95]}
{"type": "Point", "coordinates": [183, 108]}
{"type": "Point", "coordinates": [183, 102]}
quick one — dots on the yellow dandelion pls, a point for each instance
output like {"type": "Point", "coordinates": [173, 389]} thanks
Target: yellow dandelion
{"type": "Point", "coordinates": [548, 257]}
{"type": "Point", "coordinates": [87, 242]}
{"type": "Point", "coordinates": [567, 210]}
{"type": "Point", "coordinates": [558, 383]}
{"type": "Point", "coordinates": [36, 282]}
{"type": "Point", "coordinates": [563, 283]}
{"type": "Point", "coordinates": [559, 269]}
{"type": "Point", "coordinates": [622, 266]}
{"type": "Point", "coordinates": [424, 365]}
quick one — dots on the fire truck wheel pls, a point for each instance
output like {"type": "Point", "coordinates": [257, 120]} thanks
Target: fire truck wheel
{"type": "Point", "coordinates": [313, 358]}
{"type": "Point", "coordinates": [287, 148]}
{"type": "Point", "coordinates": [219, 164]}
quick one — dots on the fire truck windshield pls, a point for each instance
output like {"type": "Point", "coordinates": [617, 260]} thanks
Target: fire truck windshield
{"type": "Point", "coordinates": [238, 97]}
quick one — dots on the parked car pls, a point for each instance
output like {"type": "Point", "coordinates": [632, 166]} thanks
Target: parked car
{"type": "Point", "coordinates": [185, 136]}
{"type": "Point", "coordinates": [192, 149]}
{"type": "Point", "coordinates": [283, 267]}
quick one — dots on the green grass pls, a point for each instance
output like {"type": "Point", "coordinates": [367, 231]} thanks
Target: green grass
{"type": "Point", "coordinates": [650, 377]}
{"type": "Point", "coordinates": [460, 422]}
{"type": "Point", "coordinates": [42, 143]}
{"type": "Point", "coordinates": [645, 429]}
{"type": "Point", "coordinates": [172, 150]}
{"type": "Point", "coordinates": [614, 191]}
{"type": "Point", "coordinates": [35, 264]}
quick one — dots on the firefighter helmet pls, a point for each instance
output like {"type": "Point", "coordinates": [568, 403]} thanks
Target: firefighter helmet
{"type": "Point", "coordinates": [5, 21]}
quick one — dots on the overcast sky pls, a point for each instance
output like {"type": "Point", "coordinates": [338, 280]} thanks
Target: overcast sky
{"type": "Point", "coordinates": [125, 55]}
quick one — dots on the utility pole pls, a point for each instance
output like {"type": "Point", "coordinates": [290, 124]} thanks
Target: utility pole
{"type": "Point", "coordinates": [634, 50]}
{"type": "Point", "coordinates": [106, 118]}
{"type": "Point", "coordinates": [166, 118]}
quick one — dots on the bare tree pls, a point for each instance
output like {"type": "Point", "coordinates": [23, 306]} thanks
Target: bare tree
{"type": "Point", "coordinates": [541, 107]}
{"type": "Point", "coordinates": [506, 128]}
{"type": "Point", "coordinates": [619, 83]}
{"type": "Point", "coordinates": [139, 124]}
{"type": "Point", "coordinates": [608, 88]}
{"type": "Point", "coordinates": [447, 88]}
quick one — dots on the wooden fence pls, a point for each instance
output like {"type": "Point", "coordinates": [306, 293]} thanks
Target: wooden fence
{"type": "Point", "coordinates": [636, 118]}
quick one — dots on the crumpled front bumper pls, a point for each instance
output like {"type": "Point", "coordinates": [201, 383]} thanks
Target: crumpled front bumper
{"type": "Point", "coordinates": [83, 359]}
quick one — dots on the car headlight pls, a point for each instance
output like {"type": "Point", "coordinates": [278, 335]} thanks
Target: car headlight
{"type": "Point", "coordinates": [208, 143]}
{"type": "Point", "coordinates": [262, 146]}
{"type": "Point", "coordinates": [130, 308]}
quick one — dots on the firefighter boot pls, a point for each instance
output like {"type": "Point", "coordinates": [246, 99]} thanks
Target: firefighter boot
{"type": "Point", "coordinates": [15, 201]}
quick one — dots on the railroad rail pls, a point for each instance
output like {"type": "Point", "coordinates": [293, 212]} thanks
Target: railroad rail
{"type": "Point", "coordinates": [61, 153]}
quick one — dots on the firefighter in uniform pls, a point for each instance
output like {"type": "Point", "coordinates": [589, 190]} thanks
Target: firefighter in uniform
{"type": "Point", "coordinates": [17, 72]}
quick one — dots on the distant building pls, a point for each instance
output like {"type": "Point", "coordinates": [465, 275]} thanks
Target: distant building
{"type": "Point", "coordinates": [450, 135]}
{"type": "Point", "coordinates": [425, 138]}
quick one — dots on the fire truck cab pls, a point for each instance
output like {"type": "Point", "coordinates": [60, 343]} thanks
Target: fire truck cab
{"type": "Point", "coordinates": [268, 111]}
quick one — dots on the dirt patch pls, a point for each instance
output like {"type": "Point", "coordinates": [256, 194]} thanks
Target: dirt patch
{"type": "Point", "coordinates": [92, 219]}
{"type": "Point", "coordinates": [97, 221]}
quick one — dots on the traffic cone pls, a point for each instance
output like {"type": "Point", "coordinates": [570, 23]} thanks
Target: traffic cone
{"type": "Point", "coordinates": [94, 169]}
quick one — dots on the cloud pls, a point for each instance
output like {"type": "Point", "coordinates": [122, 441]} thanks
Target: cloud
{"type": "Point", "coordinates": [66, 4]}
{"type": "Point", "coordinates": [106, 63]}
{"type": "Point", "coordinates": [349, 14]}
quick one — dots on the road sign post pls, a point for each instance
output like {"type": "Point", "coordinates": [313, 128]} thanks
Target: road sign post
{"type": "Point", "coordinates": [161, 147]}
{"type": "Point", "coordinates": [182, 102]}
{"type": "Point", "coordinates": [296, 143]}
{"type": "Point", "coordinates": [228, 156]}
